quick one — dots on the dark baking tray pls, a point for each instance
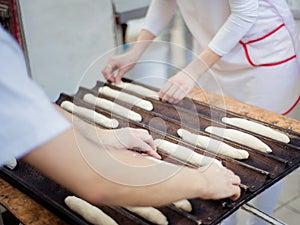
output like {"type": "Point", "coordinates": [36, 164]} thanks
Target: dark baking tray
{"type": "Point", "coordinates": [257, 173]}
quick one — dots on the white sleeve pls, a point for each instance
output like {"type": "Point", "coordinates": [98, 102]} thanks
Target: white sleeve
{"type": "Point", "coordinates": [27, 117]}
{"type": "Point", "coordinates": [243, 16]}
{"type": "Point", "coordinates": [159, 15]}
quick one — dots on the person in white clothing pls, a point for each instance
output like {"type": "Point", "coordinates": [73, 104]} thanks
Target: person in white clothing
{"type": "Point", "coordinates": [248, 52]}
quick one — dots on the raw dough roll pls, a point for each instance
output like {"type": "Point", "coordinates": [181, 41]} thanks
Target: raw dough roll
{"type": "Point", "coordinates": [89, 212]}
{"type": "Point", "coordinates": [239, 137]}
{"type": "Point", "coordinates": [11, 164]}
{"type": "Point", "coordinates": [90, 115]}
{"type": "Point", "coordinates": [151, 214]}
{"type": "Point", "coordinates": [257, 128]}
{"type": "Point", "coordinates": [112, 107]}
{"type": "Point", "coordinates": [212, 145]}
{"type": "Point", "coordinates": [138, 89]}
{"type": "Point", "coordinates": [131, 99]}
{"type": "Point", "coordinates": [184, 205]}
{"type": "Point", "coordinates": [183, 153]}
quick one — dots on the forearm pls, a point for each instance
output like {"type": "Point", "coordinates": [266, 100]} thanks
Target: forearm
{"type": "Point", "coordinates": [205, 60]}
{"type": "Point", "coordinates": [73, 159]}
{"type": "Point", "coordinates": [115, 178]}
{"type": "Point", "coordinates": [106, 175]}
{"type": "Point", "coordinates": [143, 41]}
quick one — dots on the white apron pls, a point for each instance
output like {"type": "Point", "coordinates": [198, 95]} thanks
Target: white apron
{"type": "Point", "coordinates": [261, 70]}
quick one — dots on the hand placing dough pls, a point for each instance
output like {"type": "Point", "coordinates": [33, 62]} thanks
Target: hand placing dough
{"type": "Point", "coordinates": [124, 97]}
{"type": "Point", "coordinates": [257, 128]}
{"type": "Point", "coordinates": [177, 87]}
{"type": "Point", "coordinates": [212, 145]}
{"type": "Point", "coordinates": [183, 153]}
{"type": "Point", "coordinates": [120, 64]}
{"type": "Point", "coordinates": [138, 89]}
{"type": "Point", "coordinates": [239, 137]}
{"type": "Point", "coordinates": [220, 183]}
{"type": "Point", "coordinates": [129, 138]}
{"type": "Point", "coordinates": [90, 115]}
{"type": "Point", "coordinates": [151, 214]}
{"type": "Point", "coordinates": [89, 212]}
{"type": "Point", "coordinates": [112, 107]}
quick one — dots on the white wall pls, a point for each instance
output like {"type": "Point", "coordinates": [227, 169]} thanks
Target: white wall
{"type": "Point", "coordinates": [63, 38]}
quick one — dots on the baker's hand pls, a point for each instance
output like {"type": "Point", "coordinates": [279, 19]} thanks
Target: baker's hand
{"type": "Point", "coordinates": [130, 138]}
{"type": "Point", "coordinates": [120, 64]}
{"type": "Point", "coordinates": [221, 183]}
{"type": "Point", "coordinates": [177, 87]}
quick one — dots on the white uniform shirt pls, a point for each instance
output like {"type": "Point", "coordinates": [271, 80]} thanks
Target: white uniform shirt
{"type": "Point", "coordinates": [27, 117]}
{"type": "Point", "coordinates": [257, 40]}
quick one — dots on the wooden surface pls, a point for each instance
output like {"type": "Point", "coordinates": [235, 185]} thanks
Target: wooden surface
{"type": "Point", "coordinates": [30, 212]}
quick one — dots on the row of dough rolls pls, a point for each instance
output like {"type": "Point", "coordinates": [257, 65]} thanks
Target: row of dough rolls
{"type": "Point", "coordinates": [212, 145]}
{"type": "Point", "coordinates": [96, 216]}
{"type": "Point", "coordinates": [138, 89]}
{"type": "Point", "coordinates": [90, 115]}
{"type": "Point", "coordinates": [125, 97]}
{"type": "Point", "coordinates": [257, 128]}
{"type": "Point", "coordinates": [112, 107]}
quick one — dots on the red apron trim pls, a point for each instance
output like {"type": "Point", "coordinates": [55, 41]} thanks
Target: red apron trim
{"type": "Point", "coordinates": [267, 35]}
{"type": "Point", "coordinates": [293, 106]}
{"type": "Point", "coordinates": [244, 45]}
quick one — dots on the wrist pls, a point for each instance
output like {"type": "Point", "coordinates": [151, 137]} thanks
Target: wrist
{"type": "Point", "coordinates": [203, 185]}
{"type": "Point", "coordinates": [196, 68]}
{"type": "Point", "coordinates": [202, 63]}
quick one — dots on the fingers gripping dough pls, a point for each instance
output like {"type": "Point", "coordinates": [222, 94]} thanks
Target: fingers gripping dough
{"type": "Point", "coordinates": [149, 213]}
{"type": "Point", "coordinates": [131, 99]}
{"type": "Point", "coordinates": [112, 107]}
{"type": "Point", "coordinates": [138, 89]}
{"type": "Point", "coordinates": [184, 205]}
{"type": "Point", "coordinates": [212, 145]}
{"type": "Point", "coordinates": [89, 212]}
{"type": "Point", "coordinates": [183, 153]}
{"type": "Point", "coordinates": [90, 115]}
{"type": "Point", "coordinates": [257, 128]}
{"type": "Point", "coordinates": [239, 137]}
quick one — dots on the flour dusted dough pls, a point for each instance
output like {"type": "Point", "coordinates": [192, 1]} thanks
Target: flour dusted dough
{"type": "Point", "coordinates": [138, 89]}
{"type": "Point", "coordinates": [131, 99]}
{"type": "Point", "coordinates": [89, 212]}
{"type": "Point", "coordinates": [257, 128]}
{"type": "Point", "coordinates": [184, 205]}
{"type": "Point", "coordinates": [212, 145]}
{"type": "Point", "coordinates": [151, 214]}
{"type": "Point", "coordinates": [239, 137]}
{"type": "Point", "coordinates": [183, 153]}
{"type": "Point", "coordinates": [90, 115]}
{"type": "Point", "coordinates": [11, 164]}
{"type": "Point", "coordinates": [112, 107]}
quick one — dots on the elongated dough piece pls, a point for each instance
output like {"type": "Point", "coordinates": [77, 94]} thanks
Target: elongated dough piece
{"type": "Point", "coordinates": [184, 205]}
{"type": "Point", "coordinates": [89, 212]}
{"type": "Point", "coordinates": [138, 89]}
{"type": "Point", "coordinates": [112, 107]}
{"type": "Point", "coordinates": [239, 137]}
{"type": "Point", "coordinates": [212, 145]}
{"type": "Point", "coordinates": [11, 164]}
{"type": "Point", "coordinates": [122, 96]}
{"type": "Point", "coordinates": [183, 153]}
{"type": "Point", "coordinates": [90, 115]}
{"type": "Point", "coordinates": [151, 214]}
{"type": "Point", "coordinates": [257, 128]}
